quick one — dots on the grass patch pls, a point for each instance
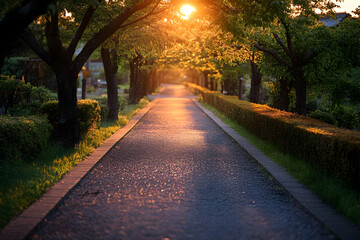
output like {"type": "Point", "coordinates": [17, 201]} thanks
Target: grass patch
{"type": "Point", "coordinates": [334, 191]}
{"type": "Point", "coordinates": [22, 183]}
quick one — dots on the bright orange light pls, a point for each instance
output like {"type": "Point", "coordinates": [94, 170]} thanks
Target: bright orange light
{"type": "Point", "coordinates": [186, 11]}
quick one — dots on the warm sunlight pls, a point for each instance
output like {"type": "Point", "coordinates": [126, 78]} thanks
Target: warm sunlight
{"type": "Point", "coordinates": [186, 11]}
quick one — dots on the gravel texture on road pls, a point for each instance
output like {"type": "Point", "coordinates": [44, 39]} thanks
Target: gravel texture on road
{"type": "Point", "coordinates": [177, 175]}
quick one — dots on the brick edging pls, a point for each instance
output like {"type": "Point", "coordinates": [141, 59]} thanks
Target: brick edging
{"type": "Point", "coordinates": [335, 222]}
{"type": "Point", "coordinates": [25, 223]}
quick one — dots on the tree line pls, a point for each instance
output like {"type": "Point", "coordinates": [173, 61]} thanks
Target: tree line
{"type": "Point", "coordinates": [281, 40]}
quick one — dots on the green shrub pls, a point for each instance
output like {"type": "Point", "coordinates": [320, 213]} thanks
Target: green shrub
{"type": "Point", "coordinates": [19, 97]}
{"type": "Point", "coordinates": [104, 107]}
{"type": "Point", "coordinates": [325, 146]}
{"type": "Point", "coordinates": [51, 109]}
{"type": "Point", "coordinates": [323, 116]}
{"type": "Point", "coordinates": [89, 113]}
{"type": "Point", "coordinates": [26, 109]}
{"type": "Point", "coordinates": [12, 66]}
{"type": "Point", "coordinates": [346, 116]}
{"type": "Point", "coordinates": [40, 94]}
{"type": "Point", "coordinates": [8, 90]}
{"type": "Point", "coordinates": [23, 137]}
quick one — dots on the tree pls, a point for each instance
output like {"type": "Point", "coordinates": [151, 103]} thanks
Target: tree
{"type": "Point", "coordinates": [110, 61]}
{"type": "Point", "coordinates": [61, 58]}
{"type": "Point", "coordinates": [16, 20]}
{"type": "Point", "coordinates": [290, 19]}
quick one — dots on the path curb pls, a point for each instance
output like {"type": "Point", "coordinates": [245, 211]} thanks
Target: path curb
{"type": "Point", "coordinates": [333, 221]}
{"type": "Point", "coordinates": [24, 224]}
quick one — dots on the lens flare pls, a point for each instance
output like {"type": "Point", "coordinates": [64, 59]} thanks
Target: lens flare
{"type": "Point", "coordinates": [186, 11]}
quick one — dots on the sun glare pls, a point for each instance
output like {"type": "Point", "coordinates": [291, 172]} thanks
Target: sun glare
{"type": "Point", "coordinates": [186, 11]}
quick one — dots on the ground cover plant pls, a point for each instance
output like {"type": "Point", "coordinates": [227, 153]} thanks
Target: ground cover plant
{"type": "Point", "coordinates": [334, 191]}
{"type": "Point", "coordinates": [23, 182]}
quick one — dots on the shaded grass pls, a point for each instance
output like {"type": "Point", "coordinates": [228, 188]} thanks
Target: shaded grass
{"type": "Point", "coordinates": [22, 183]}
{"type": "Point", "coordinates": [334, 191]}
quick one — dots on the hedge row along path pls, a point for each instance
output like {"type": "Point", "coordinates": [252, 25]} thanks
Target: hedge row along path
{"type": "Point", "coordinates": [177, 175]}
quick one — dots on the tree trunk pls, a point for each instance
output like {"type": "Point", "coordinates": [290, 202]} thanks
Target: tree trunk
{"type": "Point", "coordinates": [212, 87]}
{"type": "Point", "coordinates": [206, 79]}
{"type": "Point", "coordinates": [144, 79]}
{"type": "Point", "coordinates": [153, 84]}
{"type": "Point", "coordinates": [300, 89]}
{"type": "Point", "coordinates": [227, 86]}
{"type": "Point", "coordinates": [240, 79]}
{"type": "Point", "coordinates": [135, 80]}
{"type": "Point", "coordinates": [255, 83]}
{"type": "Point", "coordinates": [284, 100]}
{"type": "Point", "coordinates": [110, 69]}
{"type": "Point", "coordinates": [83, 88]}
{"type": "Point", "coordinates": [67, 130]}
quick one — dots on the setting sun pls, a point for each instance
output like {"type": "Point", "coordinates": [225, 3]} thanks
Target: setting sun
{"type": "Point", "coordinates": [186, 11]}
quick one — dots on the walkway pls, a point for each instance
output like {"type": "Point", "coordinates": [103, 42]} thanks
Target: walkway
{"type": "Point", "coordinates": [177, 175]}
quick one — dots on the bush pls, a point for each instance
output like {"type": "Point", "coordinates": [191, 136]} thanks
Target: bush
{"type": "Point", "coordinates": [40, 94]}
{"type": "Point", "coordinates": [26, 109]}
{"type": "Point", "coordinates": [325, 146]}
{"type": "Point", "coordinates": [8, 90]}
{"type": "Point", "coordinates": [23, 137]}
{"type": "Point", "coordinates": [89, 114]}
{"type": "Point", "coordinates": [346, 116]}
{"type": "Point", "coordinates": [21, 98]}
{"type": "Point", "coordinates": [104, 107]}
{"type": "Point", "coordinates": [12, 66]}
{"type": "Point", "coordinates": [323, 116]}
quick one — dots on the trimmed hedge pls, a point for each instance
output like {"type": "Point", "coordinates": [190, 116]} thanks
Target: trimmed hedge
{"type": "Point", "coordinates": [23, 137]}
{"type": "Point", "coordinates": [103, 100]}
{"type": "Point", "coordinates": [335, 150]}
{"type": "Point", "coordinates": [89, 113]}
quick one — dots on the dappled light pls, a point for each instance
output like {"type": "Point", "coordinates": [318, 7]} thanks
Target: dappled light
{"type": "Point", "coordinates": [146, 74]}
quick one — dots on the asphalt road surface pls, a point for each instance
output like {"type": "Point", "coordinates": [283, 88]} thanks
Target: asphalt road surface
{"type": "Point", "coordinates": [177, 175]}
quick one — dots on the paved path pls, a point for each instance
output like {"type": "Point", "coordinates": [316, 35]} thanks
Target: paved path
{"type": "Point", "coordinates": [177, 175]}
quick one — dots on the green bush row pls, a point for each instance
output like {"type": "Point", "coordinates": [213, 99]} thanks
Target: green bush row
{"type": "Point", "coordinates": [23, 137]}
{"type": "Point", "coordinates": [89, 114]}
{"type": "Point", "coordinates": [19, 95]}
{"type": "Point", "coordinates": [322, 145]}
{"type": "Point", "coordinates": [104, 107]}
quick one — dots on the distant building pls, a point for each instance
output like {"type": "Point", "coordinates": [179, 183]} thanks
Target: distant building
{"type": "Point", "coordinates": [331, 22]}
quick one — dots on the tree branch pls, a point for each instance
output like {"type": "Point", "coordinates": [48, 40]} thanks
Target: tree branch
{"type": "Point", "coordinates": [17, 20]}
{"type": "Point", "coordinates": [288, 38]}
{"type": "Point", "coordinates": [80, 31]}
{"type": "Point", "coordinates": [224, 7]}
{"type": "Point", "coordinates": [29, 39]}
{"type": "Point", "coordinates": [282, 45]}
{"type": "Point", "coordinates": [52, 34]}
{"type": "Point", "coordinates": [272, 53]}
{"type": "Point", "coordinates": [101, 36]}
{"type": "Point", "coordinates": [145, 16]}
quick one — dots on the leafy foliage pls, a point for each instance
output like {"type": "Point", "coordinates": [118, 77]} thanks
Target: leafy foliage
{"type": "Point", "coordinates": [103, 102]}
{"type": "Point", "coordinates": [89, 114]}
{"type": "Point", "coordinates": [21, 98]}
{"type": "Point", "coordinates": [12, 66]}
{"type": "Point", "coordinates": [323, 116]}
{"type": "Point", "coordinates": [23, 137]}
